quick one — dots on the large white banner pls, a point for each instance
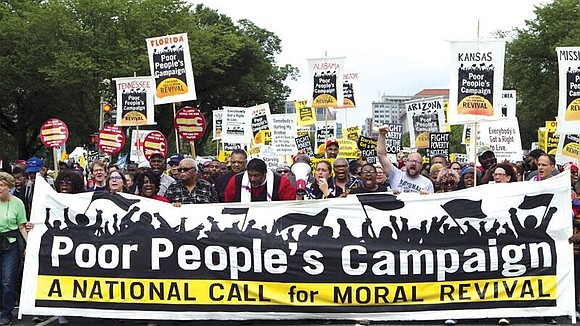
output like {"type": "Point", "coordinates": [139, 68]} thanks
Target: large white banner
{"type": "Point", "coordinates": [170, 64]}
{"type": "Point", "coordinates": [135, 101]}
{"type": "Point", "coordinates": [492, 251]}
{"type": "Point", "coordinates": [424, 116]}
{"type": "Point", "coordinates": [476, 81]}
{"type": "Point", "coordinates": [569, 90]}
{"type": "Point", "coordinates": [327, 81]}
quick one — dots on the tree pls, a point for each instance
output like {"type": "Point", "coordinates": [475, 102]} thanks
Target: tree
{"type": "Point", "coordinates": [531, 66]}
{"type": "Point", "coordinates": [58, 59]}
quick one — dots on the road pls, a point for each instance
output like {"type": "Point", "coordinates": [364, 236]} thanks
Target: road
{"type": "Point", "coordinates": [27, 320]}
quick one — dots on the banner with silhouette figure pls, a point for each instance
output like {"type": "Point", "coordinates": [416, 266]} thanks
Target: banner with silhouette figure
{"type": "Point", "coordinates": [484, 252]}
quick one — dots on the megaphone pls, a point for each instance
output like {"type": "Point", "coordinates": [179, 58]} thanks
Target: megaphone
{"type": "Point", "coordinates": [301, 171]}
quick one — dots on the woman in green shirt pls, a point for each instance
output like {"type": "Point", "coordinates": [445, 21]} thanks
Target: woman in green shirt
{"type": "Point", "coordinates": [12, 225]}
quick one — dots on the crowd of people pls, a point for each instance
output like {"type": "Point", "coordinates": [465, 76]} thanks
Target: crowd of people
{"type": "Point", "coordinates": [182, 180]}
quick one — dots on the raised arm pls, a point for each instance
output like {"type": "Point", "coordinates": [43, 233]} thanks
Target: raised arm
{"type": "Point", "coordinates": [382, 151]}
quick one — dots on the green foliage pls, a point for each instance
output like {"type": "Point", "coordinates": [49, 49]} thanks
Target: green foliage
{"type": "Point", "coordinates": [531, 64]}
{"type": "Point", "coordinates": [58, 58]}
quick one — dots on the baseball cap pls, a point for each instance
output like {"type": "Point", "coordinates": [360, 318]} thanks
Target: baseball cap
{"type": "Point", "coordinates": [332, 141]}
{"type": "Point", "coordinates": [570, 166]}
{"type": "Point", "coordinates": [175, 159]}
{"type": "Point", "coordinates": [33, 165]}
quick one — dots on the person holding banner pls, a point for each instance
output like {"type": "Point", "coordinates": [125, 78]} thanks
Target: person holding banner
{"type": "Point", "coordinates": [238, 160]}
{"type": "Point", "coordinates": [190, 189]}
{"type": "Point", "coordinates": [322, 187]}
{"type": "Point", "coordinates": [409, 181]}
{"type": "Point", "coordinates": [368, 174]}
{"type": "Point", "coordinates": [258, 183]}
{"type": "Point", "coordinates": [99, 174]}
{"type": "Point", "coordinates": [157, 162]}
{"type": "Point", "coordinates": [13, 229]}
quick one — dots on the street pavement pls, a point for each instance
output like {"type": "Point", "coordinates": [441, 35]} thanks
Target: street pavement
{"type": "Point", "coordinates": [27, 320]}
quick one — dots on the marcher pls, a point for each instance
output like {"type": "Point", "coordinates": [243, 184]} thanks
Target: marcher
{"type": "Point", "coordinates": [13, 226]}
{"type": "Point", "coordinates": [369, 178]}
{"type": "Point", "coordinates": [190, 189]}
{"type": "Point", "coordinates": [409, 181]}
{"type": "Point", "coordinates": [99, 173]}
{"type": "Point", "coordinates": [238, 161]}
{"type": "Point", "coordinates": [157, 161]}
{"type": "Point", "coordinates": [148, 186]}
{"type": "Point", "coordinates": [322, 187]}
{"type": "Point", "coordinates": [331, 149]}
{"type": "Point", "coordinates": [258, 183]}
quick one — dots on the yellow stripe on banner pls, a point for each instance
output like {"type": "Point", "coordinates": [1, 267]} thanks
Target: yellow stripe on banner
{"type": "Point", "coordinates": [212, 292]}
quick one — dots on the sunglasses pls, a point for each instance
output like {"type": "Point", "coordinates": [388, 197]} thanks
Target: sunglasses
{"type": "Point", "coordinates": [184, 169]}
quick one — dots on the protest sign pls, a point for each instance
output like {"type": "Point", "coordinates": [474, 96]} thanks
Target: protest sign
{"type": "Point", "coordinates": [424, 116]}
{"type": "Point", "coordinates": [438, 256]}
{"type": "Point", "coordinates": [135, 101]}
{"type": "Point", "coordinates": [305, 115]}
{"type": "Point", "coordinates": [217, 124]}
{"type": "Point", "coordinates": [324, 131]}
{"type": "Point", "coordinates": [502, 137]}
{"type": "Point", "coordinates": [283, 133]}
{"type": "Point", "coordinates": [327, 77]}
{"type": "Point", "coordinates": [569, 90]}
{"type": "Point", "coordinates": [476, 80]}
{"type": "Point", "coordinates": [304, 144]}
{"type": "Point", "coordinates": [170, 64]}
{"type": "Point", "coordinates": [568, 149]}
{"type": "Point", "coordinates": [236, 125]}
{"type": "Point", "coordinates": [439, 144]}
{"type": "Point", "coordinates": [350, 90]}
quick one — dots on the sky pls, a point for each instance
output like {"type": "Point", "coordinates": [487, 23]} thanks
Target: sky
{"type": "Point", "coordinates": [397, 47]}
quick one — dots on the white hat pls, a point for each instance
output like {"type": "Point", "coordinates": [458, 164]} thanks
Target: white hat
{"type": "Point", "coordinates": [144, 164]}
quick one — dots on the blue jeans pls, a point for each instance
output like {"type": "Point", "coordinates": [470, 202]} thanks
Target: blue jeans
{"type": "Point", "coordinates": [10, 261]}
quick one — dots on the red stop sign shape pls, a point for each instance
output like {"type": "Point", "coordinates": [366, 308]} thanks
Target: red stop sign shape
{"type": "Point", "coordinates": [53, 133]}
{"type": "Point", "coordinates": [153, 143]}
{"type": "Point", "coordinates": [111, 139]}
{"type": "Point", "coordinates": [189, 123]}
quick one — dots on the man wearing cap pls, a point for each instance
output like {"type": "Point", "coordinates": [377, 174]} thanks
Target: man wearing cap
{"type": "Point", "coordinates": [157, 161]}
{"type": "Point", "coordinates": [331, 149]}
{"type": "Point", "coordinates": [174, 164]}
{"type": "Point", "coordinates": [34, 165]}
{"type": "Point", "coordinates": [409, 181]}
{"type": "Point", "coordinates": [259, 183]}
{"type": "Point", "coordinates": [238, 160]}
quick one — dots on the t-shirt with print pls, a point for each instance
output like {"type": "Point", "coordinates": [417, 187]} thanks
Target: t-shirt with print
{"type": "Point", "coordinates": [399, 180]}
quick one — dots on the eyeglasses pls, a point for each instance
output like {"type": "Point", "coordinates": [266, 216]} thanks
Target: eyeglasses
{"type": "Point", "coordinates": [499, 174]}
{"type": "Point", "coordinates": [65, 182]}
{"type": "Point", "coordinates": [115, 177]}
{"type": "Point", "coordinates": [368, 172]}
{"type": "Point", "coordinates": [340, 166]}
{"type": "Point", "coordinates": [283, 171]}
{"type": "Point", "coordinates": [448, 183]}
{"type": "Point", "coordinates": [184, 169]}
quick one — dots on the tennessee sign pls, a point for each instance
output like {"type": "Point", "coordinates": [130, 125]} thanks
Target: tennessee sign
{"type": "Point", "coordinates": [484, 252]}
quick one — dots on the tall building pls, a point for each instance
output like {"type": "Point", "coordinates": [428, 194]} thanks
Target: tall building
{"type": "Point", "coordinates": [388, 110]}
